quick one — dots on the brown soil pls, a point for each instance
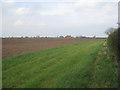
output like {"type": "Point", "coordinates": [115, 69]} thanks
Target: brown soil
{"type": "Point", "coordinates": [12, 47]}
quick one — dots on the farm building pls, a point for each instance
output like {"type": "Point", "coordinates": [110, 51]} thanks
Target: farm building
{"type": "Point", "coordinates": [68, 37]}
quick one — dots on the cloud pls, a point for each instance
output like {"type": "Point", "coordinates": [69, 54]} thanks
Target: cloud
{"type": "Point", "coordinates": [41, 24]}
{"type": "Point", "coordinates": [82, 3]}
{"type": "Point", "coordinates": [60, 17]}
{"type": "Point", "coordinates": [28, 23]}
{"type": "Point", "coordinates": [22, 10]}
{"type": "Point", "coordinates": [18, 23]}
{"type": "Point", "coordinates": [60, 9]}
{"type": "Point", "coordinates": [103, 11]}
{"type": "Point", "coordinates": [9, 2]}
{"type": "Point", "coordinates": [63, 8]}
{"type": "Point", "coordinates": [53, 12]}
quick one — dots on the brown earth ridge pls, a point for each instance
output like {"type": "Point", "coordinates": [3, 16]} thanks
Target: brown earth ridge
{"type": "Point", "coordinates": [13, 47]}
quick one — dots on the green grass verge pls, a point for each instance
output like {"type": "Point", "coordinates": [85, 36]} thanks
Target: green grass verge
{"type": "Point", "coordinates": [72, 66]}
{"type": "Point", "coordinates": [105, 74]}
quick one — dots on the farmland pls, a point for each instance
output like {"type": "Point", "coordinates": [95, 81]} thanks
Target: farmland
{"type": "Point", "coordinates": [12, 47]}
{"type": "Point", "coordinates": [79, 65]}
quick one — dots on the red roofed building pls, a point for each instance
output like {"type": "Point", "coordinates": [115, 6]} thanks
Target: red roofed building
{"type": "Point", "coordinates": [68, 37]}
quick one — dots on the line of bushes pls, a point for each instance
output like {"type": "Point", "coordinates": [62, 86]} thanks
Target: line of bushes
{"type": "Point", "coordinates": [113, 43]}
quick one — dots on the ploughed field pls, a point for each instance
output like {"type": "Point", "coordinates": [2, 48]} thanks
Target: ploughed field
{"type": "Point", "coordinates": [13, 47]}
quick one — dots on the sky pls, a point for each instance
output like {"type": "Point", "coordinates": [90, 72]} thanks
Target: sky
{"type": "Point", "coordinates": [57, 17]}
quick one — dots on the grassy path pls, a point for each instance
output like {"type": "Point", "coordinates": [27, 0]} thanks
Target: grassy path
{"type": "Point", "coordinates": [105, 71]}
{"type": "Point", "coordinates": [64, 67]}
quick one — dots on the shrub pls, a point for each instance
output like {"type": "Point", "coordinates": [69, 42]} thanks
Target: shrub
{"type": "Point", "coordinates": [113, 43]}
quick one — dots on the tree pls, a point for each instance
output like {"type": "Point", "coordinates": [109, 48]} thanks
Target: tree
{"type": "Point", "coordinates": [109, 31]}
{"type": "Point", "coordinates": [61, 36]}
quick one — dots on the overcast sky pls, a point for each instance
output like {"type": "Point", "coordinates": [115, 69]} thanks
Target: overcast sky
{"type": "Point", "coordinates": [58, 17]}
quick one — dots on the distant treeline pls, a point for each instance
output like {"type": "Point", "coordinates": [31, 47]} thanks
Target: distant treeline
{"type": "Point", "coordinates": [68, 36]}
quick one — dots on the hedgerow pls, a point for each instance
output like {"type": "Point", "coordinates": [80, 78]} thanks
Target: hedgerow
{"type": "Point", "coordinates": [113, 43]}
